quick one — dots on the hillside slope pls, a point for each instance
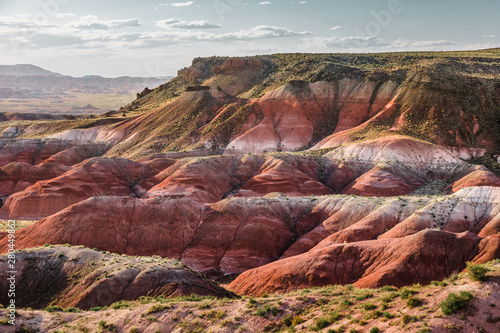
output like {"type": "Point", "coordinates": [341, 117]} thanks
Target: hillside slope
{"type": "Point", "coordinates": [277, 173]}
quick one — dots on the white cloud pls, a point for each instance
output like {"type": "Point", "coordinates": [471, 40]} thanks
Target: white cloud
{"type": "Point", "coordinates": [91, 22]}
{"type": "Point", "coordinates": [175, 36]}
{"type": "Point", "coordinates": [426, 44]}
{"type": "Point", "coordinates": [336, 27]}
{"type": "Point", "coordinates": [345, 42]}
{"type": "Point", "coordinates": [489, 36]}
{"type": "Point", "coordinates": [65, 15]}
{"type": "Point", "coordinates": [178, 4]}
{"type": "Point", "coordinates": [262, 31]}
{"type": "Point", "coordinates": [302, 2]}
{"type": "Point", "coordinates": [265, 3]}
{"type": "Point", "coordinates": [181, 24]}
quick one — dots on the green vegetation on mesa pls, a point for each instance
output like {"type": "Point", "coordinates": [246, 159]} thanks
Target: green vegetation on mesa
{"type": "Point", "coordinates": [312, 67]}
{"type": "Point", "coordinates": [448, 93]}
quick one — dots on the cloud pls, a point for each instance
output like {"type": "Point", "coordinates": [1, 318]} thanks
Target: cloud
{"type": "Point", "coordinates": [51, 40]}
{"type": "Point", "coordinates": [262, 31]}
{"type": "Point", "coordinates": [91, 22]}
{"type": "Point", "coordinates": [412, 44]}
{"type": "Point", "coordinates": [489, 36]}
{"type": "Point", "coordinates": [265, 3]}
{"type": "Point", "coordinates": [345, 42]}
{"type": "Point", "coordinates": [180, 24]}
{"type": "Point", "coordinates": [176, 36]}
{"type": "Point", "coordinates": [336, 27]}
{"type": "Point", "coordinates": [178, 4]}
{"type": "Point", "coordinates": [65, 15]}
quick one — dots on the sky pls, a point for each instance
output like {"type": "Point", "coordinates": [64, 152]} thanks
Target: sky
{"type": "Point", "coordinates": [156, 37]}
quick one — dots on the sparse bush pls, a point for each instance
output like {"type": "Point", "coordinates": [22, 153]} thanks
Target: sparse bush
{"type": "Point", "coordinates": [413, 302]}
{"type": "Point", "coordinates": [346, 302]}
{"type": "Point", "coordinates": [406, 292]}
{"type": "Point", "coordinates": [453, 302]}
{"type": "Point", "coordinates": [336, 316]}
{"type": "Point", "coordinates": [477, 272]}
{"type": "Point", "coordinates": [388, 315]}
{"type": "Point", "coordinates": [374, 330]}
{"type": "Point", "coordinates": [53, 309]}
{"type": "Point", "coordinates": [297, 320]}
{"type": "Point", "coordinates": [287, 320]}
{"type": "Point", "coordinates": [363, 297]}
{"type": "Point", "coordinates": [120, 305]}
{"type": "Point", "coordinates": [321, 323]}
{"type": "Point", "coordinates": [157, 308]}
{"type": "Point", "coordinates": [369, 306]}
{"type": "Point", "coordinates": [133, 329]}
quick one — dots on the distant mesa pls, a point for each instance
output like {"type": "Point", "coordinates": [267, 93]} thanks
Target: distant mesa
{"type": "Point", "coordinates": [86, 107]}
{"type": "Point", "coordinates": [10, 93]}
{"type": "Point", "coordinates": [25, 70]}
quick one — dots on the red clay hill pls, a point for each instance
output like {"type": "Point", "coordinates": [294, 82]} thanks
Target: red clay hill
{"type": "Point", "coordinates": [288, 171]}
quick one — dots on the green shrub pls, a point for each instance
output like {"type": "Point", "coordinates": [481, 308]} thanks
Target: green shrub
{"type": "Point", "coordinates": [133, 329]}
{"type": "Point", "coordinates": [453, 302]}
{"type": "Point", "coordinates": [119, 305]}
{"type": "Point", "coordinates": [53, 309]}
{"type": "Point", "coordinates": [477, 272]}
{"type": "Point", "coordinates": [157, 308]}
{"type": "Point", "coordinates": [297, 320]}
{"type": "Point", "coordinates": [334, 317]}
{"type": "Point", "coordinates": [413, 302]}
{"type": "Point", "coordinates": [287, 320]}
{"type": "Point", "coordinates": [388, 315]}
{"type": "Point", "coordinates": [369, 306]}
{"type": "Point", "coordinates": [388, 288]}
{"type": "Point", "coordinates": [375, 330]}
{"type": "Point", "coordinates": [97, 308]}
{"type": "Point", "coordinates": [407, 292]}
{"type": "Point", "coordinates": [363, 297]}
{"type": "Point", "coordinates": [321, 323]}
{"type": "Point", "coordinates": [346, 302]}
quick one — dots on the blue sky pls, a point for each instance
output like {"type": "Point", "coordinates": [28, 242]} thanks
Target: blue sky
{"type": "Point", "coordinates": [158, 37]}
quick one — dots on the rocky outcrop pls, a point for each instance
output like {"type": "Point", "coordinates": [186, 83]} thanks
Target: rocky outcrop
{"type": "Point", "coordinates": [83, 278]}
{"type": "Point", "coordinates": [189, 74]}
{"type": "Point", "coordinates": [237, 65]}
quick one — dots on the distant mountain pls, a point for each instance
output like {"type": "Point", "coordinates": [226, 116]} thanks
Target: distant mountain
{"type": "Point", "coordinates": [25, 70]}
{"type": "Point", "coordinates": [30, 88]}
